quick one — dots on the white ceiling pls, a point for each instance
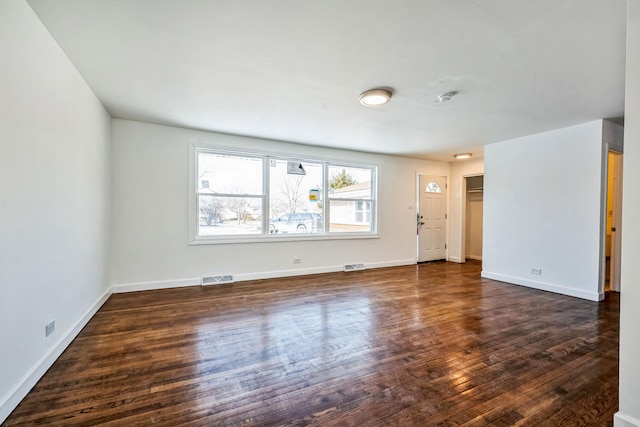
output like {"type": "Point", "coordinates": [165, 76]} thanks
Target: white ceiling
{"type": "Point", "coordinates": [292, 70]}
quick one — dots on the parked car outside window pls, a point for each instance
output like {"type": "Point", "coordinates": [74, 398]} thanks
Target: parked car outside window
{"type": "Point", "coordinates": [296, 222]}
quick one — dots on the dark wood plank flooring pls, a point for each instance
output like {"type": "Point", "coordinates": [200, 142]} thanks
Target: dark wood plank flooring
{"type": "Point", "coordinates": [426, 345]}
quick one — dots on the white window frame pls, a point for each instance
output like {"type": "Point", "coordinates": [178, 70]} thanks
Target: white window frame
{"type": "Point", "coordinates": [194, 213]}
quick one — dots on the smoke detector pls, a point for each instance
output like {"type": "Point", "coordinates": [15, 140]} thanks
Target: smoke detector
{"type": "Point", "coordinates": [445, 97]}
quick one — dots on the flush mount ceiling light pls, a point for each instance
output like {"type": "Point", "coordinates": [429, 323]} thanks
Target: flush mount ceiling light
{"type": "Point", "coordinates": [461, 156]}
{"type": "Point", "coordinates": [375, 97]}
{"type": "Point", "coordinates": [445, 97]}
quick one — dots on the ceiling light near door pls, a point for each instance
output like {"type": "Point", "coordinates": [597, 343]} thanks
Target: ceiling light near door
{"type": "Point", "coordinates": [375, 97]}
{"type": "Point", "coordinates": [461, 156]}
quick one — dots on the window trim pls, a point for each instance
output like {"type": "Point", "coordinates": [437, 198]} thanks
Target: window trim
{"type": "Point", "coordinates": [265, 236]}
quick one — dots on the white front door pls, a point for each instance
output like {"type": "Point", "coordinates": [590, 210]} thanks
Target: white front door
{"type": "Point", "coordinates": [431, 217]}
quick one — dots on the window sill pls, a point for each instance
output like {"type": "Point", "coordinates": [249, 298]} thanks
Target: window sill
{"type": "Point", "coordinates": [280, 238]}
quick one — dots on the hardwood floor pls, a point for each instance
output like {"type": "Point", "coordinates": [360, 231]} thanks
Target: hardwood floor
{"type": "Point", "coordinates": [426, 345]}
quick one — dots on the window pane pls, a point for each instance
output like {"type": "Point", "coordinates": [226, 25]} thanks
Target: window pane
{"type": "Point", "coordinates": [345, 217]}
{"type": "Point", "coordinates": [295, 201]}
{"type": "Point", "coordinates": [229, 174]}
{"type": "Point", "coordinates": [433, 187]}
{"type": "Point", "coordinates": [229, 215]}
{"type": "Point", "coordinates": [349, 182]}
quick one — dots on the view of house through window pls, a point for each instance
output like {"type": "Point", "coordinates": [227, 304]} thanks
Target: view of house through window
{"type": "Point", "coordinates": [350, 197]}
{"type": "Point", "coordinates": [245, 195]}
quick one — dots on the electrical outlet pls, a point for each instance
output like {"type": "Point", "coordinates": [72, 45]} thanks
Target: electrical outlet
{"type": "Point", "coordinates": [536, 271]}
{"type": "Point", "coordinates": [49, 328]}
{"type": "Point", "coordinates": [297, 260]}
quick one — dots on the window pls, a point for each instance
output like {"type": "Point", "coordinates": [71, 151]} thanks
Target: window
{"type": "Point", "coordinates": [363, 212]}
{"type": "Point", "coordinates": [433, 187]}
{"type": "Point", "coordinates": [230, 196]}
{"type": "Point", "coordinates": [350, 197]}
{"type": "Point", "coordinates": [249, 196]}
{"type": "Point", "coordinates": [292, 209]}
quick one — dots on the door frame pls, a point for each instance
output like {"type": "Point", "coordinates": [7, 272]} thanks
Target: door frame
{"type": "Point", "coordinates": [615, 262]}
{"type": "Point", "coordinates": [463, 216]}
{"type": "Point", "coordinates": [614, 278]}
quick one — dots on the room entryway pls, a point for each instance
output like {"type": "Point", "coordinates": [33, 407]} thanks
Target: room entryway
{"type": "Point", "coordinates": [614, 215]}
{"type": "Point", "coordinates": [473, 217]}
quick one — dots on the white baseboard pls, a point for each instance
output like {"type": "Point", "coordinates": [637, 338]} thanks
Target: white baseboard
{"type": "Point", "coordinates": [316, 270]}
{"type": "Point", "coordinates": [149, 286]}
{"type": "Point", "coordinates": [592, 296]}
{"type": "Point", "coordinates": [624, 420]}
{"type": "Point", "coordinates": [10, 401]}
{"type": "Point", "coordinates": [475, 257]}
{"type": "Point", "coordinates": [397, 263]}
{"type": "Point", "coordinates": [455, 259]}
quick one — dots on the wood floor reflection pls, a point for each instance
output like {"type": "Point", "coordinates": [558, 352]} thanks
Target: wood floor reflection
{"type": "Point", "coordinates": [426, 345]}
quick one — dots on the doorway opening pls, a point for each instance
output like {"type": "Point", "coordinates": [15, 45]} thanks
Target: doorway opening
{"type": "Point", "coordinates": [613, 226]}
{"type": "Point", "coordinates": [472, 210]}
{"type": "Point", "coordinates": [431, 218]}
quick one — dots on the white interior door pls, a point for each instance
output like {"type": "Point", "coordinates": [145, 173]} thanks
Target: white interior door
{"type": "Point", "coordinates": [432, 217]}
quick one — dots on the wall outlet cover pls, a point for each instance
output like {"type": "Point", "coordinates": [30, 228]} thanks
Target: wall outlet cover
{"type": "Point", "coordinates": [49, 328]}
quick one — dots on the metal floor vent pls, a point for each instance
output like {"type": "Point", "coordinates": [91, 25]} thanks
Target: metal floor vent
{"type": "Point", "coordinates": [353, 267]}
{"type": "Point", "coordinates": [217, 280]}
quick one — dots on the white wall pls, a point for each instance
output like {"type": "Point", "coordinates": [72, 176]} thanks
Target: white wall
{"type": "Point", "coordinates": [54, 210]}
{"type": "Point", "coordinates": [629, 414]}
{"type": "Point", "coordinates": [150, 213]}
{"type": "Point", "coordinates": [459, 170]}
{"type": "Point", "coordinates": [542, 202]}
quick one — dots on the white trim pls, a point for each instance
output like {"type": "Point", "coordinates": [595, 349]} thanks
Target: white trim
{"type": "Point", "coordinates": [623, 420]}
{"type": "Point", "coordinates": [475, 257]}
{"type": "Point", "coordinates": [149, 286]}
{"type": "Point", "coordinates": [455, 259]}
{"type": "Point", "coordinates": [266, 156]}
{"type": "Point", "coordinates": [289, 237]}
{"type": "Point", "coordinates": [592, 296]}
{"type": "Point", "coordinates": [396, 263]}
{"type": "Point", "coordinates": [14, 396]}
{"type": "Point", "coordinates": [447, 210]}
{"type": "Point", "coordinates": [194, 215]}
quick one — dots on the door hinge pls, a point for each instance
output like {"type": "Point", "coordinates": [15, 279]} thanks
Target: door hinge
{"type": "Point", "coordinates": [445, 216]}
{"type": "Point", "coordinates": [445, 246]}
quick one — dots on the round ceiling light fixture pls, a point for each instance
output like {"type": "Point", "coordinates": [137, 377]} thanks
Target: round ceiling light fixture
{"type": "Point", "coordinates": [461, 156]}
{"type": "Point", "coordinates": [375, 97]}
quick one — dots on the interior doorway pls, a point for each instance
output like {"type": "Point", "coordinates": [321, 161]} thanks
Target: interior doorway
{"type": "Point", "coordinates": [613, 226]}
{"type": "Point", "coordinates": [473, 194]}
{"type": "Point", "coordinates": [431, 217]}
